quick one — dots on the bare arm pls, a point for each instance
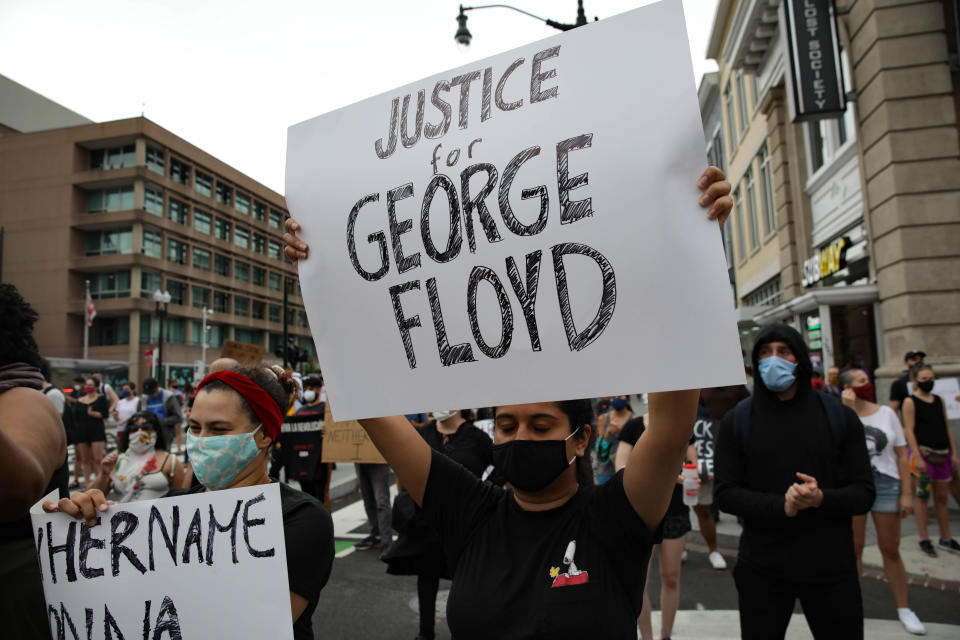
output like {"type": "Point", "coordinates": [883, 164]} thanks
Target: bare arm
{"type": "Point", "coordinates": [298, 604]}
{"type": "Point", "coordinates": [651, 470]}
{"type": "Point", "coordinates": [404, 450]}
{"type": "Point", "coordinates": [623, 455]}
{"type": "Point", "coordinates": [910, 424]}
{"type": "Point", "coordinates": [32, 446]}
{"type": "Point", "coordinates": [903, 466]}
{"type": "Point", "coordinates": [112, 399]}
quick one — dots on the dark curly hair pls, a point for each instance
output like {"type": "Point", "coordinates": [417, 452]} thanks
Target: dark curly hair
{"type": "Point", "coordinates": [16, 329]}
{"type": "Point", "coordinates": [279, 383]}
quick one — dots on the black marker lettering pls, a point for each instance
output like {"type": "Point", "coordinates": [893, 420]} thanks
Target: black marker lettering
{"type": "Point", "coordinates": [404, 263]}
{"type": "Point", "coordinates": [478, 203]}
{"type": "Point", "coordinates": [409, 141]}
{"type": "Point", "coordinates": [498, 96]}
{"type": "Point", "coordinates": [437, 130]}
{"type": "Point", "coordinates": [608, 299]}
{"type": "Point", "coordinates": [168, 621]}
{"type": "Point", "coordinates": [215, 526]}
{"type": "Point", "coordinates": [454, 236]}
{"type": "Point", "coordinates": [194, 537]}
{"type": "Point", "coordinates": [67, 549]}
{"type": "Point", "coordinates": [506, 211]}
{"type": "Point", "coordinates": [536, 78]}
{"type": "Point", "coordinates": [171, 543]}
{"type": "Point", "coordinates": [527, 296]}
{"type": "Point", "coordinates": [377, 237]}
{"type": "Point", "coordinates": [88, 542]}
{"type": "Point", "coordinates": [487, 90]}
{"type": "Point", "coordinates": [110, 623]}
{"type": "Point", "coordinates": [404, 323]}
{"type": "Point", "coordinates": [448, 355]}
{"type": "Point", "coordinates": [392, 133]}
{"type": "Point", "coordinates": [464, 82]}
{"type": "Point", "coordinates": [478, 274]}
{"type": "Point", "coordinates": [577, 209]}
{"type": "Point", "coordinates": [248, 523]}
{"type": "Point", "coordinates": [122, 525]}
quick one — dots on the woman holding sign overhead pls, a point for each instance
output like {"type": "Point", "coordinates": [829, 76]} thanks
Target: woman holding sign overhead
{"type": "Point", "coordinates": [546, 557]}
{"type": "Point", "coordinates": [236, 416]}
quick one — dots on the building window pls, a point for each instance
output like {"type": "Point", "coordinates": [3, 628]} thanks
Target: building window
{"type": "Point", "coordinates": [767, 294]}
{"type": "Point", "coordinates": [727, 236]}
{"type": "Point", "coordinates": [175, 330]}
{"type": "Point", "coordinates": [275, 250]}
{"type": "Point", "coordinates": [276, 219]}
{"type": "Point", "coordinates": [755, 85]}
{"type": "Point", "coordinates": [201, 259]}
{"type": "Point", "coordinates": [149, 282]}
{"type": "Point", "coordinates": [259, 276]}
{"type": "Point", "coordinates": [741, 246]}
{"type": "Point", "coordinates": [259, 243]}
{"type": "Point", "coordinates": [117, 199]}
{"type": "Point", "coordinates": [221, 265]}
{"type": "Point", "coordinates": [199, 297]}
{"type": "Point", "coordinates": [274, 311]}
{"type": "Point", "coordinates": [177, 291]}
{"type": "Point", "coordinates": [113, 158]}
{"type": "Point", "coordinates": [257, 310]}
{"type": "Point", "coordinates": [155, 160]}
{"type": "Point", "coordinates": [816, 135]}
{"type": "Point", "coordinates": [177, 211]}
{"type": "Point", "coordinates": [731, 120]}
{"type": "Point", "coordinates": [248, 336]}
{"type": "Point", "coordinates": [259, 211]}
{"type": "Point", "coordinates": [221, 229]}
{"type": "Point", "coordinates": [715, 152]}
{"type": "Point", "coordinates": [105, 243]}
{"type": "Point", "coordinates": [241, 238]}
{"type": "Point", "coordinates": [201, 221]}
{"type": "Point", "coordinates": [110, 331]}
{"type": "Point", "coordinates": [241, 306]}
{"type": "Point", "coordinates": [224, 193]}
{"type": "Point", "coordinates": [766, 180]}
{"type": "Point", "coordinates": [153, 201]}
{"type": "Point", "coordinates": [275, 281]}
{"type": "Point", "coordinates": [113, 284]}
{"type": "Point", "coordinates": [149, 329]}
{"type": "Point", "coordinates": [752, 210]}
{"type": "Point", "coordinates": [152, 244]}
{"type": "Point", "coordinates": [243, 203]}
{"type": "Point", "coordinates": [742, 99]}
{"type": "Point", "coordinates": [241, 271]}
{"type": "Point", "coordinates": [221, 302]}
{"type": "Point", "coordinates": [216, 335]}
{"type": "Point", "coordinates": [177, 253]}
{"type": "Point", "coordinates": [302, 319]}
{"type": "Point", "coordinates": [291, 286]}
{"type": "Point", "coordinates": [202, 183]}
{"type": "Point", "coordinates": [179, 172]}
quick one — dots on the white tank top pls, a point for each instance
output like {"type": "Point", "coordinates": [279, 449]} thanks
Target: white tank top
{"type": "Point", "coordinates": [155, 485]}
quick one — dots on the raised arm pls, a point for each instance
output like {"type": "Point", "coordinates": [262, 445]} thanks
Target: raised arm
{"type": "Point", "coordinates": [405, 451]}
{"type": "Point", "coordinates": [657, 457]}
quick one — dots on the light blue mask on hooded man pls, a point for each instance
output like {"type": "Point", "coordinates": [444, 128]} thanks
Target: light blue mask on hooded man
{"type": "Point", "coordinates": [777, 374]}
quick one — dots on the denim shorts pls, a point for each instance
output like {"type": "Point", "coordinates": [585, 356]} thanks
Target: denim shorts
{"type": "Point", "coordinates": [888, 493]}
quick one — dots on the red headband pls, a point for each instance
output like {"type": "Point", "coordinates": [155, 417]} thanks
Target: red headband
{"type": "Point", "coordinates": [259, 400]}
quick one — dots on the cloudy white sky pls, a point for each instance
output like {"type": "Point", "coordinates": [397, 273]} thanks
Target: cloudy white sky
{"type": "Point", "coordinates": [231, 75]}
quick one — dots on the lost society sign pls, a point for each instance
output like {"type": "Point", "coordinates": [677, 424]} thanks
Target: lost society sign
{"type": "Point", "coordinates": [524, 228]}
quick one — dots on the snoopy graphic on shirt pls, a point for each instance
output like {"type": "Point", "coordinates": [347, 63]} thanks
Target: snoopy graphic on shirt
{"type": "Point", "coordinates": [573, 575]}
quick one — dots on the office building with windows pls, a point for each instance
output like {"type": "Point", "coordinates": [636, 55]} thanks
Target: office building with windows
{"type": "Point", "coordinates": [848, 228]}
{"type": "Point", "coordinates": [132, 209]}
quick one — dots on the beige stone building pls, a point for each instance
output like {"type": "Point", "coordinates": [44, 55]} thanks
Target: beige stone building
{"type": "Point", "coordinates": [131, 208]}
{"type": "Point", "coordinates": [864, 258]}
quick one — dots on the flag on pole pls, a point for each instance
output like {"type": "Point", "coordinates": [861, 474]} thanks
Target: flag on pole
{"type": "Point", "coordinates": [91, 310]}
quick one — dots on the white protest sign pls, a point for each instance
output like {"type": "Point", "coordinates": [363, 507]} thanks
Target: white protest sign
{"type": "Point", "coordinates": [207, 565]}
{"type": "Point", "coordinates": [949, 390]}
{"type": "Point", "coordinates": [521, 229]}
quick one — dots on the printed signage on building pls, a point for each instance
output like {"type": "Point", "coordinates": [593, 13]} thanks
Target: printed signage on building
{"type": "Point", "coordinates": [815, 78]}
{"type": "Point", "coordinates": [825, 262]}
{"type": "Point", "coordinates": [521, 229]}
{"type": "Point", "coordinates": [187, 567]}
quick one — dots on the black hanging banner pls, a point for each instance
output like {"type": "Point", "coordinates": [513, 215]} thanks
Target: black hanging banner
{"type": "Point", "coordinates": [815, 77]}
{"type": "Point", "coordinates": [300, 445]}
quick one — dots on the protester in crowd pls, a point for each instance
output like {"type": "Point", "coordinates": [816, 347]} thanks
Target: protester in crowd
{"type": "Point", "coordinates": [669, 537]}
{"type": "Point", "coordinates": [887, 447]}
{"type": "Point", "coordinates": [417, 419]}
{"type": "Point", "coordinates": [92, 411]}
{"type": "Point", "coordinates": [316, 485]}
{"type": "Point", "coordinates": [517, 552]}
{"type": "Point", "coordinates": [374, 481]}
{"type": "Point", "coordinates": [106, 391]}
{"type": "Point", "coordinates": [609, 424]}
{"type": "Point", "coordinates": [816, 379]}
{"type": "Point", "coordinates": [146, 470]}
{"type": "Point", "coordinates": [33, 462]}
{"type": "Point", "coordinates": [933, 456]}
{"type": "Point", "coordinates": [833, 381]}
{"type": "Point", "coordinates": [164, 404]}
{"type": "Point", "coordinates": [418, 548]}
{"type": "Point", "coordinates": [236, 416]}
{"type": "Point", "coordinates": [126, 407]}
{"type": "Point", "coordinates": [220, 364]}
{"type": "Point", "coordinates": [793, 463]}
{"type": "Point", "coordinates": [900, 389]}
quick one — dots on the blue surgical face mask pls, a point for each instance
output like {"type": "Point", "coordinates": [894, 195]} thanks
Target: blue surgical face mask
{"type": "Point", "coordinates": [217, 460]}
{"type": "Point", "coordinates": [125, 393]}
{"type": "Point", "coordinates": [777, 374]}
{"type": "Point", "coordinates": [618, 404]}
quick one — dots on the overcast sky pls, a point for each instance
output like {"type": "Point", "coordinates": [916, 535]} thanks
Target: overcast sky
{"type": "Point", "coordinates": [231, 75]}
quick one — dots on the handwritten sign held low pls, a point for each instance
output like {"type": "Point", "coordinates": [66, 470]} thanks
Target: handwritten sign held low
{"type": "Point", "coordinates": [347, 442]}
{"type": "Point", "coordinates": [521, 229]}
{"type": "Point", "coordinates": [208, 565]}
{"type": "Point", "coordinates": [242, 352]}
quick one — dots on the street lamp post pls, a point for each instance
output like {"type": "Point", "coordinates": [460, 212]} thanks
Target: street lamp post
{"type": "Point", "coordinates": [203, 337]}
{"type": "Point", "coordinates": [463, 36]}
{"type": "Point", "coordinates": [161, 299]}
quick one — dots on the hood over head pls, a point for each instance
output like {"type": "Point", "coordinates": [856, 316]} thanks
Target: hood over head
{"type": "Point", "coordinates": [789, 335]}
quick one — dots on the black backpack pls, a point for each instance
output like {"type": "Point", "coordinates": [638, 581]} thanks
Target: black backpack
{"type": "Point", "coordinates": [831, 404]}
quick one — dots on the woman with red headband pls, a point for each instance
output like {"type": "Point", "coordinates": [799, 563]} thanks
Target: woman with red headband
{"type": "Point", "coordinates": [236, 416]}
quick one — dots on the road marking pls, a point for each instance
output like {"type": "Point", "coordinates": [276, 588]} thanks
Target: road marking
{"type": "Point", "coordinates": [345, 552]}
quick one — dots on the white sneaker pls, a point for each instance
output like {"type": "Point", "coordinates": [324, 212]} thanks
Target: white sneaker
{"type": "Point", "coordinates": [717, 561]}
{"type": "Point", "coordinates": [911, 623]}
{"type": "Point", "coordinates": [683, 556]}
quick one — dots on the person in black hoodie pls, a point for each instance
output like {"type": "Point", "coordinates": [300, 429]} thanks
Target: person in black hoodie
{"type": "Point", "coordinates": [794, 465]}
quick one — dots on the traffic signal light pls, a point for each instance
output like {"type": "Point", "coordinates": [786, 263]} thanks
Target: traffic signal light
{"type": "Point", "coordinates": [295, 354]}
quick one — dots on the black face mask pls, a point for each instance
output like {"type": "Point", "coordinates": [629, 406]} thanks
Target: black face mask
{"type": "Point", "coordinates": [530, 465]}
{"type": "Point", "coordinates": [926, 386]}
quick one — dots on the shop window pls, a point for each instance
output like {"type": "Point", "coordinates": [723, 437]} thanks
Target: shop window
{"type": "Point", "coordinates": [203, 184]}
{"type": "Point", "coordinates": [177, 252]}
{"type": "Point", "coordinates": [152, 244]}
{"type": "Point", "coordinates": [113, 158]}
{"type": "Point", "coordinates": [155, 159]}
{"type": "Point", "coordinates": [201, 221]}
{"type": "Point", "coordinates": [105, 243]}
{"type": "Point", "coordinates": [112, 284]}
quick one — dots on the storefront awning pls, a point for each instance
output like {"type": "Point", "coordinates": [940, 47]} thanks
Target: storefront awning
{"type": "Point", "coordinates": [823, 296]}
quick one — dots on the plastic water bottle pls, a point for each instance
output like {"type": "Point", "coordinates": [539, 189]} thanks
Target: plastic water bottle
{"type": "Point", "coordinates": [923, 487]}
{"type": "Point", "coordinates": [690, 489]}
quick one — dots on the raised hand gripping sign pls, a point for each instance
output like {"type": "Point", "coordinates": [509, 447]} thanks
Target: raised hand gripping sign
{"type": "Point", "coordinates": [521, 229]}
{"type": "Point", "coordinates": [207, 565]}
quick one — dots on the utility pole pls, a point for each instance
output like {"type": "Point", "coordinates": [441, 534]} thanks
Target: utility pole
{"type": "Point", "coordinates": [86, 319]}
{"type": "Point", "coordinates": [286, 335]}
{"type": "Point", "coordinates": [203, 338]}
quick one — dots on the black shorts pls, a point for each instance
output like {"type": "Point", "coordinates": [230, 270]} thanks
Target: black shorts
{"type": "Point", "coordinates": [92, 431]}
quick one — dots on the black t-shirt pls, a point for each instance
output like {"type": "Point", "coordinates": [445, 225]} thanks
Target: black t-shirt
{"type": "Point", "coordinates": [630, 433]}
{"type": "Point", "coordinates": [510, 577]}
{"type": "Point", "coordinates": [469, 446]}
{"type": "Point", "coordinates": [899, 390]}
{"type": "Point", "coordinates": [308, 539]}
{"type": "Point", "coordinates": [85, 420]}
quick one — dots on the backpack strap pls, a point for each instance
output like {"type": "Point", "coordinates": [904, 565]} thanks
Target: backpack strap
{"type": "Point", "coordinates": [834, 408]}
{"type": "Point", "coordinates": [49, 389]}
